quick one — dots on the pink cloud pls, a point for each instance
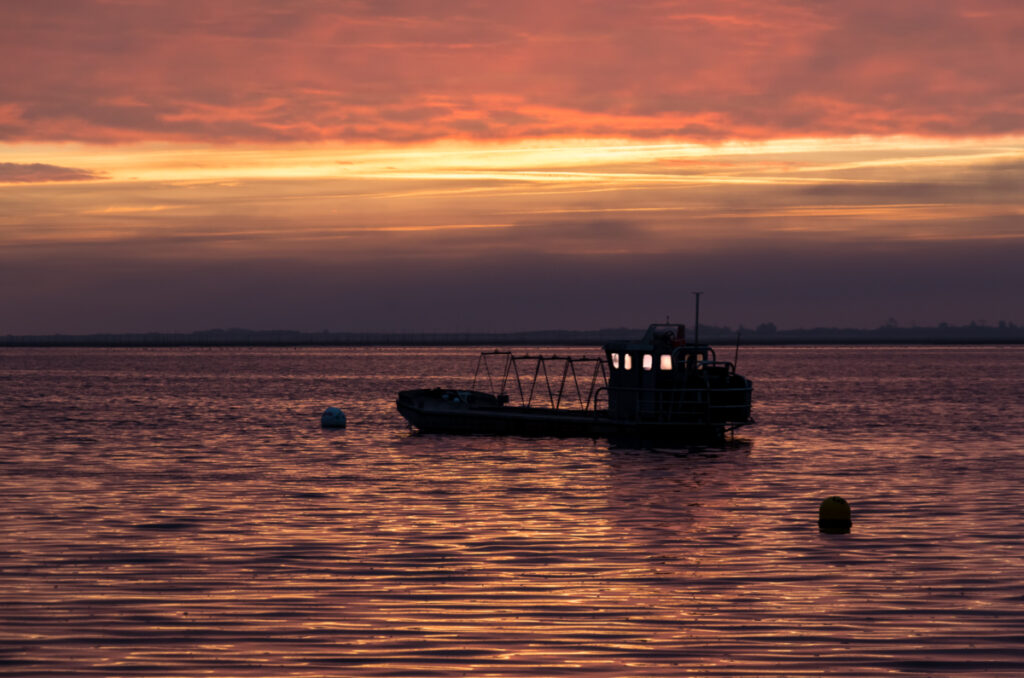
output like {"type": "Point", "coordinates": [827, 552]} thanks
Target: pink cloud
{"type": "Point", "coordinates": [126, 71]}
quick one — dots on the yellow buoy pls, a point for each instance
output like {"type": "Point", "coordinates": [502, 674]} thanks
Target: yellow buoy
{"type": "Point", "coordinates": [834, 516]}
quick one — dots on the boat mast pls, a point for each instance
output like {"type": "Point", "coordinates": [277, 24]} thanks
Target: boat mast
{"type": "Point", "coordinates": [696, 319]}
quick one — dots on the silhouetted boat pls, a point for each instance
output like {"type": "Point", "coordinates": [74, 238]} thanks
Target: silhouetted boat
{"type": "Point", "coordinates": [657, 388]}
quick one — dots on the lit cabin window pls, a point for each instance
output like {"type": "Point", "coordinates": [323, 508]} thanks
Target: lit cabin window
{"type": "Point", "coordinates": [648, 362]}
{"type": "Point", "coordinates": [666, 361]}
{"type": "Point", "coordinates": [627, 363]}
{"type": "Point", "coordinates": [615, 361]}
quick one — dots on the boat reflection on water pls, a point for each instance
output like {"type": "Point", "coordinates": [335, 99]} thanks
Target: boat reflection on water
{"type": "Point", "coordinates": [659, 388]}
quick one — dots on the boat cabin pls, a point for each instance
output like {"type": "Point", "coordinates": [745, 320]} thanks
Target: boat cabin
{"type": "Point", "coordinates": [661, 377]}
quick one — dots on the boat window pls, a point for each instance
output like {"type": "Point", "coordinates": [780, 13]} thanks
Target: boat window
{"type": "Point", "coordinates": [627, 363]}
{"type": "Point", "coordinates": [615, 361]}
{"type": "Point", "coordinates": [648, 362]}
{"type": "Point", "coordinates": [666, 361]}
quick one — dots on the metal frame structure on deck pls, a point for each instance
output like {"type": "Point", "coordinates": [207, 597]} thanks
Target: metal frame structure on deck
{"type": "Point", "coordinates": [598, 379]}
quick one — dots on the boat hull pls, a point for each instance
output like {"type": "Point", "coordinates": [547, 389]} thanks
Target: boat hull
{"type": "Point", "coordinates": [472, 412]}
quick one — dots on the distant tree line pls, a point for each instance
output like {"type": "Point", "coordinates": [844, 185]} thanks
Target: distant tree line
{"type": "Point", "coordinates": [765, 333]}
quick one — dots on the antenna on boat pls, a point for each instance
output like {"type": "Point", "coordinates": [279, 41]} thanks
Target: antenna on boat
{"type": "Point", "coordinates": [736, 355]}
{"type": "Point", "coordinates": [696, 319]}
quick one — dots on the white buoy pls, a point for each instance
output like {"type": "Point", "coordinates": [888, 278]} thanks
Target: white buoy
{"type": "Point", "coordinates": [333, 418]}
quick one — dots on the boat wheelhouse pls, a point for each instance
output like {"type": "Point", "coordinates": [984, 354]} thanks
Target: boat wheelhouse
{"type": "Point", "coordinates": [658, 387]}
{"type": "Point", "coordinates": [661, 378]}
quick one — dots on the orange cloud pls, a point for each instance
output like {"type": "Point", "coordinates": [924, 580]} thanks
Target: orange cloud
{"type": "Point", "coordinates": [405, 71]}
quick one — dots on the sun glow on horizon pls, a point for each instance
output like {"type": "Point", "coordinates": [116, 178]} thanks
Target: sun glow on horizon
{"type": "Point", "coordinates": [444, 185]}
{"type": "Point", "coordinates": [535, 161]}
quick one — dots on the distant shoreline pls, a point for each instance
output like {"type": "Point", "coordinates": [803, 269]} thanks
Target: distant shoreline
{"type": "Point", "coordinates": [762, 336]}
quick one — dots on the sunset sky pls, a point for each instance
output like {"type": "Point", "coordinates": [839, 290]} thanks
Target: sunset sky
{"type": "Point", "coordinates": [436, 165]}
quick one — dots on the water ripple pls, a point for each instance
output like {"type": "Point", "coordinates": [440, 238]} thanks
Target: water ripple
{"type": "Point", "coordinates": [180, 512]}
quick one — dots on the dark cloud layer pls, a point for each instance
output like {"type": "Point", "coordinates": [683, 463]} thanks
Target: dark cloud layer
{"type": "Point", "coordinates": [15, 173]}
{"type": "Point", "coordinates": [790, 283]}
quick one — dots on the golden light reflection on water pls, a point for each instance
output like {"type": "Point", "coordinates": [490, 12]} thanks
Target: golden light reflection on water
{"type": "Point", "coordinates": [154, 536]}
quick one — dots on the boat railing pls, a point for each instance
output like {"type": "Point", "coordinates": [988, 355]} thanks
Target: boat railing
{"type": "Point", "coordinates": [559, 382]}
{"type": "Point", "coordinates": [720, 365]}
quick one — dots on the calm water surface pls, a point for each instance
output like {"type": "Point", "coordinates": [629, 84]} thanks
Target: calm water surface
{"type": "Point", "coordinates": [180, 512]}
